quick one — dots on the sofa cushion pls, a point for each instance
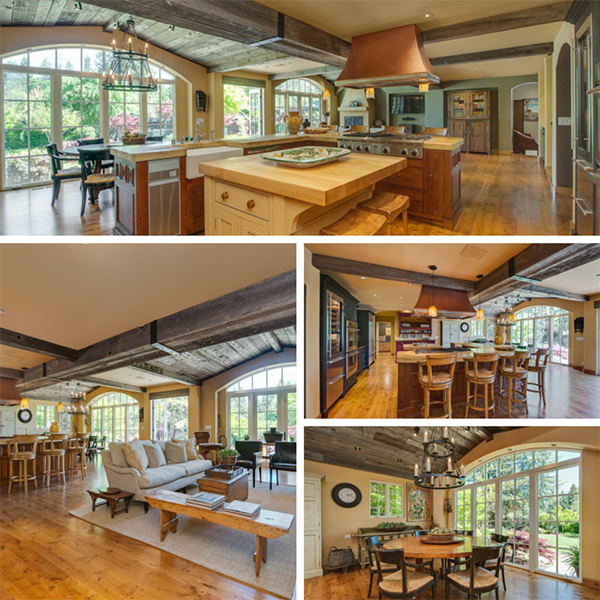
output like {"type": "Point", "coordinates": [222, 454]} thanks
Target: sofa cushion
{"type": "Point", "coordinates": [190, 447]}
{"type": "Point", "coordinates": [136, 455]}
{"type": "Point", "coordinates": [117, 456]}
{"type": "Point", "coordinates": [152, 478]}
{"type": "Point", "coordinates": [193, 467]}
{"type": "Point", "coordinates": [155, 455]}
{"type": "Point", "coordinates": [175, 453]}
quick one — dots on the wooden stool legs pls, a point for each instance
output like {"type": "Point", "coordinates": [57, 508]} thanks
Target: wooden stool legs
{"type": "Point", "coordinates": [22, 477]}
{"type": "Point", "coordinates": [54, 464]}
{"type": "Point", "coordinates": [488, 398]}
{"type": "Point", "coordinates": [446, 402]}
{"type": "Point", "coordinates": [511, 393]}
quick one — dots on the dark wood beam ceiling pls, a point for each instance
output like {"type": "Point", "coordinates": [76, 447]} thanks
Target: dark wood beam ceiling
{"type": "Point", "coordinates": [12, 339]}
{"type": "Point", "coordinates": [539, 291]}
{"type": "Point", "coordinates": [173, 375]}
{"type": "Point", "coordinates": [542, 49]}
{"type": "Point", "coordinates": [99, 382]}
{"type": "Point", "coordinates": [11, 373]}
{"type": "Point", "coordinates": [325, 71]}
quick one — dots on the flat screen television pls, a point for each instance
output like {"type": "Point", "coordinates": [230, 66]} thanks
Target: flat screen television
{"type": "Point", "coordinates": [402, 104]}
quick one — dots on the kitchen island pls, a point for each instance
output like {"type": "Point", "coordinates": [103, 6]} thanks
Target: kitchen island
{"type": "Point", "coordinates": [411, 395]}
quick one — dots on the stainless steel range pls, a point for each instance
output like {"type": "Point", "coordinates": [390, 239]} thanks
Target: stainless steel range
{"type": "Point", "coordinates": [390, 144]}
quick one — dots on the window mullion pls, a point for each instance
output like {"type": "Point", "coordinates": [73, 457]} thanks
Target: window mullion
{"type": "Point", "coordinates": [387, 499]}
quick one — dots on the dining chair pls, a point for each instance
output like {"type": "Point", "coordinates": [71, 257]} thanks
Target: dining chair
{"type": "Point", "coordinates": [90, 180]}
{"type": "Point", "coordinates": [481, 370]}
{"type": "Point", "coordinates": [501, 539]}
{"type": "Point", "coordinates": [102, 444]}
{"type": "Point", "coordinates": [53, 452]}
{"type": "Point", "coordinates": [438, 380]}
{"type": "Point", "coordinates": [395, 129]}
{"type": "Point", "coordinates": [403, 584]}
{"type": "Point", "coordinates": [372, 543]}
{"type": "Point", "coordinates": [58, 173]}
{"type": "Point", "coordinates": [155, 138]}
{"type": "Point", "coordinates": [421, 532]}
{"type": "Point", "coordinates": [92, 449]}
{"type": "Point", "coordinates": [539, 366]}
{"type": "Point", "coordinates": [452, 563]}
{"type": "Point", "coordinates": [477, 580]}
{"type": "Point", "coordinates": [106, 164]}
{"type": "Point", "coordinates": [438, 131]}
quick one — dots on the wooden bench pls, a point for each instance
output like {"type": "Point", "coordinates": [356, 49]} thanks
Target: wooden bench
{"type": "Point", "coordinates": [357, 222]}
{"type": "Point", "coordinates": [390, 206]}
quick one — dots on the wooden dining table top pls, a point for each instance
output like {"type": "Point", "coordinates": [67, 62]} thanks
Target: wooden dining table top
{"type": "Point", "coordinates": [74, 150]}
{"type": "Point", "coordinates": [414, 548]}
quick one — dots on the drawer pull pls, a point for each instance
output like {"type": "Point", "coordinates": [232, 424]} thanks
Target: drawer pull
{"type": "Point", "coordinates": [250, 204]}
{"type": "Point", "coordinates": [224, 195]}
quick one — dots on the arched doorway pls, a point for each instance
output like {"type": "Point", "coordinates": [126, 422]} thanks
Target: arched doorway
{"type": "Point", "coordinates": [525, 110]}
{"type": "Point", "coordinates": [564, 165]}
{"type": "Point", "coordinates": [115, 415]}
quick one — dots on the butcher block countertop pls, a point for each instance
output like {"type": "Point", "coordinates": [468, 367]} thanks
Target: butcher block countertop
{"type": "Point", "coordinates": [443, 143]}
{"type": "Point", "coordinates": [323, 185]}
{"type": "Point", "coordinates": [411, 357]}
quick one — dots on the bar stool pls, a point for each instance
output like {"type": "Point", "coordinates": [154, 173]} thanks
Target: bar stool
{"type": "Point", "coordinates": [541, 362]}
{"type": "Point", "coordinates": [515, 369]}
{"type": "Point", "coordinates": [53, 452]}
{"type": "Point", "coordinates": [20, 450]}
{"type": "Point", "coordinates": [389, 205]}
{"type": "Point", "coordinates": [357, 222]}
{"type": "Point", "coordinates": [77, 447]}
{"type": "Point", "coordinates": [478, 375]}
{"type": "Point", "coordinates": [440, 380]}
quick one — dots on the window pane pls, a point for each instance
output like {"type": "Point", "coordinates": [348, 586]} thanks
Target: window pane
{"type": "Point", "coordinates": [259, 381]}
{"type": "Point", "coordinates": [93, 60]}
{"type": "Point", "coordinates": [246, 384]}
{"type": "Point", "coordinates": [547, 484]}
{"type": "Point", "coordinates": [69, 59]}
{"type": "Point", "coordinates": [566, 455]}
{"type": "Point", "coordinates": [274, 377]}
{"type": "Point", "coordinates": [40, 417]}
{"type": "Point", "coordinates": [16, 59]}
{"type": "Point", "coordinates": [568, 480]}
{"type": "Point", "coordinates": [15, 86]}
{"type": "Point", "coordinates": [544, 457]}
{"type": "Point", "coordinates": [40, 87]}
{"type": "Point", "coordinates": [46, 59]}
{"type": "Point", "coordinates": [523, 461]}
{"type": "Point", "coordinates": [41, 114]}
{"type": "Point", "coordinates": [289, 375]}
{"type": "Point", "coordinates": [506, 465]}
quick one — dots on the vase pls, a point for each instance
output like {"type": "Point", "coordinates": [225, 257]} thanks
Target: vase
{"type": "Point", "coordinates": [229, 461]}
{"type": "Point", "coordinates": [293, 122]}
{"type": "Point", "coordinates": [54, 428]}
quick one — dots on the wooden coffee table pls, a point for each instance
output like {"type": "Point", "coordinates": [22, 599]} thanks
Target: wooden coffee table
{"type": "Point", "coordinates": [232, 489]}
{"type": "Point", "coordinates": [111, 500]}
{"type": "Point", "coordinates": [268, 525]}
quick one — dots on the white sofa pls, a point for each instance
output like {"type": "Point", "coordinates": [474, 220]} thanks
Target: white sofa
{"type": "Point", "coordinates": [172, 476]}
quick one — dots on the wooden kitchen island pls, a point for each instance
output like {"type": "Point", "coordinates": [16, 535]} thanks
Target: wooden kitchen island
{"type": "Point", "coordinates": [411, 394]}
{"type": "Point", "coordinates": [251, 196]}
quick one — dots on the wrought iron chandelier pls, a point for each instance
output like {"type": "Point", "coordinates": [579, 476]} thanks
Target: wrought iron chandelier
{"type": "Point", "coordinates": [78, 406]}
{"type": "Point", "coordinates": [507, 316]}
{"type": "Point", "coordinates": [439, 468]}
{"type": "Point", "coordinates": [129, 67]}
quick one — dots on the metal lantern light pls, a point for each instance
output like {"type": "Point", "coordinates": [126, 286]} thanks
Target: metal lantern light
{"type": "Point", "coordinates": [439, 468]}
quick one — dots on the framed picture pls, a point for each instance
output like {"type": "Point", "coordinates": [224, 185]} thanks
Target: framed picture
{"type": "Point", "coordinates": [419, 503]}
{"type": "Point", "coordinates": [532, 109]}
{"type": "Point", "coordinates": [65, 421]}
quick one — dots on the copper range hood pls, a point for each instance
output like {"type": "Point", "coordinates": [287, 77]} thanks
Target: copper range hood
{"type": "Point", "coordinates": [454, 304]}
{"type": "Point", "coordinates": [8, 392]}
{"type": "Point", "coordinates": [387, 58]}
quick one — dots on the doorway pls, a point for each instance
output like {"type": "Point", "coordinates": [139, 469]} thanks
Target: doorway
{"type": "Point", "coordinates": [525, 119]}
{"type": "Point", "coordinates": [564, 151]}
{"type": "Point", "coordinates": [384, 337]}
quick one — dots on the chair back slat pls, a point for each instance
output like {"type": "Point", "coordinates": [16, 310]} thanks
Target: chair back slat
{"type": "Point", "coordinates": [441, 360]}
{"type": "Point", "coordinates": [392, 557]}
{"type": "Point", "coordinates": [22, 444]}
{"type": "Point", "coordinates": [467, 532]}
{"type": "Point", "coordinates": [90, 141]}
{"type": "Point", "coordinates": [487, 358]}
{"type": "Point", "coordinates": [541, 357]}
{"type": "Point", "coordinates": [372, 542]}
{"type": "Point", "coordinates": [55, 163]}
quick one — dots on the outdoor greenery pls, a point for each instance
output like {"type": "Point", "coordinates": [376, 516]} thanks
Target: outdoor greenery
{"type": "Point", "coordinates": [382, 506]}
{"type": "Point", "coordinates": [236, 109]}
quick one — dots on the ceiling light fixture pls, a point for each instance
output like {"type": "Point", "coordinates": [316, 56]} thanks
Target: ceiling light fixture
{"type": "Point", "coordinates": [78, 406]}
{"type": "Point", "coordinates": [432, 308]}
{"type": "Point", "coordinates": [479, 316]}
{"type": "Point", "coordinates": [362, 277]}
{"type": "Point", "coordinates": [439, 465]}
{"type": "Point", "coordinates": [427, 15]}
{"type": "Point", "coordinates": [326, 97]}
{"type": "Point", "coordinates": [78, 6]}
{"type": "Point", "coordinates": [171, 27]}
{"type": "Point", "coordinates": [2, 311]}
{"type": "Point", "coordinates": [370, 93]}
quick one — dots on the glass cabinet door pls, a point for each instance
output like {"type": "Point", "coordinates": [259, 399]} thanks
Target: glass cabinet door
{"type": "Point", "coordinates": [479, 107]}
{"type": "Point", "coordinates": [458, 108]}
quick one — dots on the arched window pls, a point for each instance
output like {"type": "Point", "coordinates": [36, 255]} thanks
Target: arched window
{"type": "Point", "coordinates": [533, 497]}
{"type": "Point", "coordinates": [298, 95]}
{"type": "Point", "coordinates": [116, 416]}
{"type": "Point", "coordinates": [262, 400]}
{"type": "Point", "coordinates": [32, 119]}
{"type": "Point", "coordinates": [543, 327]}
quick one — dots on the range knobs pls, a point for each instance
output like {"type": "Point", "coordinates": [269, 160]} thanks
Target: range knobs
{"type": "Point", "coordinates": [415, 152]}
{"type": "Point", "coordinates": [358, 148]}
{"type": "Point", "coordinates": [386, 150]}
{"type": "Point", "coordinates": [367, 149]}
{"type": "Point", "coordinates": [349, 146]}
{"type": "Point", "coordinates": [341, 145]}
{"type": "Point", "coordinates": [404, 151]}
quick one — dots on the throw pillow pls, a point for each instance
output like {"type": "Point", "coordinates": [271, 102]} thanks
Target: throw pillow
{"type": "Point", "coordinates": [190, 447]}
{"type": "Point", "coordinates": [155, 455]}
{"type": "Point", "coordinates": [175, 453]}
{"type": "Point", "coordinates": [117, 455]}
{"type": "Point", "coordinates": [136, 455]}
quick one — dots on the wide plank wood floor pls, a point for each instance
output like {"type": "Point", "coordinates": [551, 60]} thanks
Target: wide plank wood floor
{"type": "Point", "coordinates": [501, 195]}
{"type": "Point", "coordinates": [570, 394]}
{"type": "Point", "coordinates": [47, 554]}
{"type": "Point", "coordinates": [522, 585]}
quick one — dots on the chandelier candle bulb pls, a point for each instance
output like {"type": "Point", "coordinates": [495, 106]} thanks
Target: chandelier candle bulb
{"type": "Point", "coordinates": [462, 470]}
{"type": "Point", "coordinates": [449, 465]}
{"type": "Point", "coordinates": [428, 465]}
{"type": "Point", "coordinates": [445, 433]}
{"type": "Point", "coordinates": [425, 435]}
{"type": "Point", "coordinates": [416, 470]}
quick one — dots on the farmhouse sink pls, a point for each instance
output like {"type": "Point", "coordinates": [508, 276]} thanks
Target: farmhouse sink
{"type": "Point", "coordinates": [202, 155]}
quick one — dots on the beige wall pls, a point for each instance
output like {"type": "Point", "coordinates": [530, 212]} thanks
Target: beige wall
{"type": "Point", "coordinates": [312, 281]}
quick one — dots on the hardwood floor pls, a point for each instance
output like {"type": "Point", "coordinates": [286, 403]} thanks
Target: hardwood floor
{"type": "Point", "coordinates": [570, 394]}
{"type": "Point", "coordinates": [501, 195]}
{"type": "Point", "coordinates": [521, 586]}
{"type": "Point", "coordinates": [47, 554]}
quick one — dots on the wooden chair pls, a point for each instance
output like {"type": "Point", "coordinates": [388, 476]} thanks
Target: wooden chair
{"type": "Point", "coordinates": [395, 129]}
{"type": "Point", "coordinates": [438, 380]}
{"type": "Point", "coordinates": [391, 206]}
{"type": "Point", "coordinates": [89, 160]}
{"type": "Point", "coordinates": [77, 447]}
{"type": "Point", "coordinates": [477, 375]}
{"type": "Point", "coordinates": [501, 539]}
{"type": "Point", "coordinates": [101, 444]}
{"type": "Point", "coordinates": [21, 449]}
{"type": "Point", "coordinates": [539, 366]}
{"type": "Point", "coordinates": [359, 129]}
{"type": "Point", "coordinates": [515, 369]}
{"type": "Point", "coordinates": [476, 580]}
{"type": "Point", "coordinates": [372, 543]}
{"type": "Point", "coordinates": [403, 584]}
{"type": "Point", "coordinates": [59, 174]}
{"type": "Point", "coordinates": [421, 532]}
{"type": "Point", "coordinates": [155, 138]}
{"type": "Point", "coordinates": [106, 164]}
{"type": "Point", "coordinates": [452, 563]}
{"type": "Point", "coordinates": [357, 222]}
{"type": "Point", "coordinates": [53, 452]}
{"type": "Point", "coordinates": [437, 131]}
{"type": "Point", "coordinates": [467, 532]}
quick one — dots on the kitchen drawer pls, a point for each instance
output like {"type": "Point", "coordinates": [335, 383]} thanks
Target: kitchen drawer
{"type": "Point", "coordinates": [411, 177]}
{"type": "Point", "coordinates": [242, 199]}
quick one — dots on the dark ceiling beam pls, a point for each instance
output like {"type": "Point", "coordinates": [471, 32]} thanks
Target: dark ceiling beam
{"type": "Point", "coordinates": [517, 52]}
{"type": "Point", "coordinates": [112, 384]}
{"type": "Point", "coordinates": [325, 71]}
{"type": "Point", "coordinates": [11, 373]}
{"type": "Point", "coordinates": [250, 59]}
{"type": "Point", "coordinates": [372, 271]}
{"type": "Point", "coordinates": [12, 339]}
{"type": "Point", "coordinates": [240, 21]}
{"type": "Point", "coordinates": [168, 373]}
{"type": "Point", "coordinates": [539, 291]}
{"type": "Point", "coordinates": [529, 17]}
{"type": "Point", "coordinates": [271, 339]}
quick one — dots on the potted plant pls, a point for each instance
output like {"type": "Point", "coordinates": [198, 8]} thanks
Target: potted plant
{"type": "Point", "coordinates": [273, 435]}
{"type": "Point", "coordinates": [392, 526]}
{"type": "Point", "coordinates": [572, 559]}
{"type": "Point", "coordinates": [228, 457]}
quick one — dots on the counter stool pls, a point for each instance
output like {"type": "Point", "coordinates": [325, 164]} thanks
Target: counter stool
{"type": "Point", "coordinates": [53, 453]}
{"type": "Point", "coordinates": [440, 380]}
{"type": "Point", "coordinates": [477, 375]}
{"type": "Point", "coordinates": [21, 449]}
{"type": "Point", "coordinates": [357, 222]}
{"type": "Point", "coordinates": [77, 447]}
{"type": "Point", "coordinates": [390, 206]}
{"type": "Point", "coordinates": [515, 369]}
{"type": "Point", "coordinates": [539, 367]}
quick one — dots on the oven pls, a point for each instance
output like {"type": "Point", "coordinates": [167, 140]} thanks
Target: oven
{"type": "Point", "coordinates": [584, 198]}
{"type": "Point", "coordinates": [351, 364]}
{"type": "Point", "coordinates": [351, 336]}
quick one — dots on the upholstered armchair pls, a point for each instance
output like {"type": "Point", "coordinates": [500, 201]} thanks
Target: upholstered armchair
{"type": "Point", "coordinates": [250, 457]}
{"type": "Point", "coordinates": [283, 459]}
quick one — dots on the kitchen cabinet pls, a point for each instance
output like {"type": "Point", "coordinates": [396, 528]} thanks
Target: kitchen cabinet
{"type": "Point", "coordinates": [193, 205]}
{"type": "Point", "coordinates": [8, 422]}
{"type": "Point", "coordinates": [366, 335]}
{"type": "Point", "coordinates": [469, 105]}
{"type": "Point", "coordinates": [313, 551]}
{"type": "Point", "coordinates": [469, 117]}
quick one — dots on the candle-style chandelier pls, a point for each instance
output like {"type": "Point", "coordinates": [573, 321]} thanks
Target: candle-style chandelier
{"type": "Point", "coordinates": [78, 405]}
{"type": "Point", "coordinates": [129, 67]}
{"type": "Point", "coordinates": [439, 468]}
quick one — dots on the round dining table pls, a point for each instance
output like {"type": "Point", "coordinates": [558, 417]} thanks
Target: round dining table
{"type": "Point", "coordinates": [414, 547]}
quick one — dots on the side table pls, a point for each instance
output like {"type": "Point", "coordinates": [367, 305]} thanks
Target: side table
{"type": "Point", "coordinates": [111, 500]}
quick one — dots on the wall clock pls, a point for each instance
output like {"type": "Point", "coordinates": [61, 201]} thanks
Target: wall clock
{"type": "Point", "coordinates": [464, 327]}
{"type": "Point", "coordinates": [346, 495]}
{"type": "Point", "coordinates": [24, 415]}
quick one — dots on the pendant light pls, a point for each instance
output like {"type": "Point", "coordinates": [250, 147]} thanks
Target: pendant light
{"type": "Point", "coordinates": [439, 468]}
{"type": "Point", "coordinates": [370, 93]}
{"type": "Point", "coordinates": [479, 316]}
{"type": "Point", "coordinates": [432, 308]}
{"type": "Point", "coordinates": [59, 406]}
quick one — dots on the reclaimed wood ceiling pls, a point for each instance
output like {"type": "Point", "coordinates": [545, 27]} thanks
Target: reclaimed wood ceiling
{"type": "Point", "coordinates": [384, 450]}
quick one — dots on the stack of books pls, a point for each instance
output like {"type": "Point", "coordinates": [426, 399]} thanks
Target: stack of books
{"type": "Point", "coordinates": [206, 500]}
{"type": "Point", "coordinates": [247, 510]}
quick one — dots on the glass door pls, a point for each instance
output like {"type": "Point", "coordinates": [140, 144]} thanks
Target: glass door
{"type": "Point", "coordinates": [305, 107]}
{"type": "Point", "coordinates": [266, 412]}
{"type": "Point", "coordinates": [478, 105]}
{"type": "Point", "coordinates": [290, 400]}
{"type": "Point", "coordinates": [458, 106]}
{"type": "Point", "coordinates": [256, 111]}
{"type": "Point", "coordinates": [542, 333]}
{"type": "Point", "coordinates": [515, 519]}
{"type": "Point", "coordinates": [485, 510]}
{"type": "Point", "coordinates": [560, 340]}
{"type": "Point", "coordinates": [159, 409]}
{"type": "Point", "coordinates": [239, 424]}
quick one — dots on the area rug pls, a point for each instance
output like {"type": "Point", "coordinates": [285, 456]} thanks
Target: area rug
{"type": "Point", "coordinates": [226, 551]}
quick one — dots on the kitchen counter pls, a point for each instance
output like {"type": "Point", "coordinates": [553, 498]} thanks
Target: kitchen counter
{"type": "Point", "coordinates": [410, 356]}
{"type": "Point", "coordinates": [443, 143]}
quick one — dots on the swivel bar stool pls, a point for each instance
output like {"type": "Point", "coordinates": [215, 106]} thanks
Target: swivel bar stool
{"type": "Point", "coordinates": [438, 380]}
{"type": "Point", "coordinates": [77, 447]}
{"type": "Point", "coordinates": [514, 369]}
{"type": "Point", "coordinates": [53, 452]}
{"type": "Point", "coordinates": [539, 366]}
{"type": "Point", "coordinates": [481, 370]}
{"type": "Point", "coordinates": [21, 449]}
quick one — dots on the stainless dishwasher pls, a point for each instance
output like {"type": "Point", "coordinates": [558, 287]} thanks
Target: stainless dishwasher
{"type": "Point", "coordinates": [164, 203]}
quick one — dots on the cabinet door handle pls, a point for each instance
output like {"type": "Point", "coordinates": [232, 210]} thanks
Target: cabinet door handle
{"type": "Point", "coordinates": [250, 204]}
{"type": "Point", "coordinates": [224, 195]}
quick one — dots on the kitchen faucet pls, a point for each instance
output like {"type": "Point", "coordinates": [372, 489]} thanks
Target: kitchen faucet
{"type": "Point", "coordinates": [199, 137]}
{"type": "Point", "coordinates": [212, 135]}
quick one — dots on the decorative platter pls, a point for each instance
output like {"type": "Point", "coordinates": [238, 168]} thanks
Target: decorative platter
{"type": "Point", "coordinates": [391, 529]}
{"type": "Point", "coordinates": [303, 158]}
{"type": "Point", "coordinates": [428, 540]}
{"type": "Point", "coordinates": [112, 490]}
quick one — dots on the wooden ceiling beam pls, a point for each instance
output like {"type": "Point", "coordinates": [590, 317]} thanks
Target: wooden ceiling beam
{"type": "Point", "coordinates": [542, 49]}
{"type": "Point", "coordinates": [11, 373]}
{"type": "Point", "coordinates": [12, 339]}
{"type": "Point", "coordinates": [372, 271]}
{"type": "Point", "coordinates": [325, 71]}
{"type": "Point", "coordinates": [249, 59]}
{"type": "Point", "coordinates": [540, 291]}
{"type": "Point", "coordinates": [529, 17]}
{"type": "Point", "coordinates": [163, 372]}
{"type": "Point", "coordinates": [99, 382]}
{"type": "Point", "coordinates": [271, 339]}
